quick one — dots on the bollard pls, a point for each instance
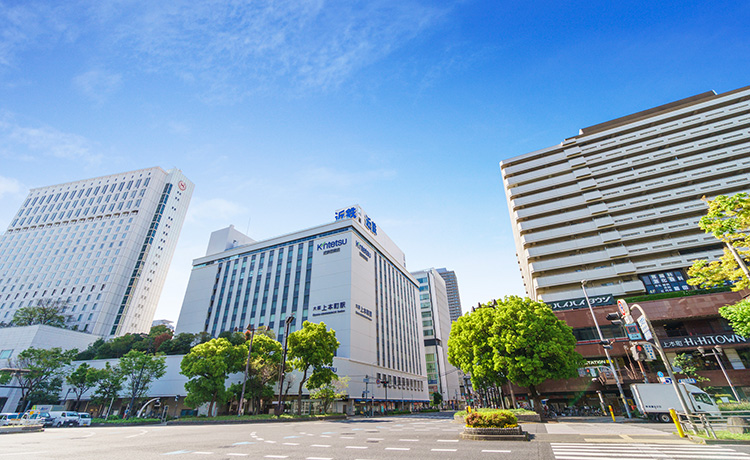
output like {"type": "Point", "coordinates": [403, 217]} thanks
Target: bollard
{"type": "Point", "coordinates": [612, 413]}
{"type": "Point", "coordinates": [677, 423]}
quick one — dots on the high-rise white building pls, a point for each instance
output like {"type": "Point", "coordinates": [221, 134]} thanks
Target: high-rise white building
{"type": "Point", "coordinates": [451, 286]}
{"type": "Point", "coordinates": [618, 204]}
{"type": "Point", "coordinates": [442, 377]}
{"type": "Point", "coordinates": [101, 245]}
{"type": "Point", "coordinates": [346, 273]}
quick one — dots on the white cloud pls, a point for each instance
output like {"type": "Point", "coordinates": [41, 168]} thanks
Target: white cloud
{"type": "Point", "coordinates": [27, 142]}
{"type": "Point", "coordinates": [97, 84]}
{"type": "Point", "coordinates": [9, 186]}
{"type": "Point", "coordinates": [215, 211]}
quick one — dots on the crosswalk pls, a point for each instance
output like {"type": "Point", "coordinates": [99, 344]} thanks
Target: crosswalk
{"type": "Point", "coordinates": [593, 451]}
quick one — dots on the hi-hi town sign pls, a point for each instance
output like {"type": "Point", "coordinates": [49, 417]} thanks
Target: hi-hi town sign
{"type": "Point", "coordinates": [702, 340]}
{"type": "Point", "coordinates": [570, 304]}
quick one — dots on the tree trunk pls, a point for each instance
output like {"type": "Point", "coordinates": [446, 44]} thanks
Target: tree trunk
{"type": "Point", "coordinates": [537, 398]}
{"type": "Point", "coordinates": [512, 396]}
{"type": "Point", "coordinates": [299, 395]}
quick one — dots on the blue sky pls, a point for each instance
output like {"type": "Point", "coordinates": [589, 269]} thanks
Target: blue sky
{"type": "Point", "coordinates": [283, 111]}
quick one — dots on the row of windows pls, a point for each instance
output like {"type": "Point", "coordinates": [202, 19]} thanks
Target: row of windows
{"type": "Point", "coordinates": [397, 333]}
{"type": "Point", "coordinates": [238, 283]}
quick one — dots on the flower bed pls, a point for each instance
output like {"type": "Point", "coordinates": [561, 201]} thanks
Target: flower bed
{"type": "Point", "coordinates": [496, 425]}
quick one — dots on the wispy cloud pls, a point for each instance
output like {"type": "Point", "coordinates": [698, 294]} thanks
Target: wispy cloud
{"type": "Point", "coordinates": [29, 142]}
{"type": "Point", "coordinates": [226, 48]}
{"type": "Point", "coordinates": [9, 186]}
{"type": "Point", "coordinates": [97, 84]}
{"type": "Point", "coordinates": [214, 211]}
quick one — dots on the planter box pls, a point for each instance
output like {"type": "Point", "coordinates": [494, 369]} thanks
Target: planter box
{"type": "Point", "coordinates": [521, 418]}
{"type": "Point", "coordinates": [494, 434]}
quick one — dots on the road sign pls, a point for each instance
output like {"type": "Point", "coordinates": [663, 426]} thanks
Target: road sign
{"type": "Point", "coordinates": [660, 374]}
{"type": "Point", "coordinates": [665, 380]}
{"type": "Point", "coordinates": [622, 306]}
{"type": "Point", "coordinates": [633, 332]}
{"type": "Point", "coordinates": [644, 328]}
{"type": "Point", "coordinates": [690, 380]}
{"type": "Point", "coordinates": [648, 349]}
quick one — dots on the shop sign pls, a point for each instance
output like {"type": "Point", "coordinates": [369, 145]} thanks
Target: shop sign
{"type": "Point", "coordinates": [571, 304]}
{"type": "Point", "coordinates": [329, 309]}
{"type": "Point", "coordinates": [702, 340]}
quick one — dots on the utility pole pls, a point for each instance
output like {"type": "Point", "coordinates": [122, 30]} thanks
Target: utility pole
{"type": "Point", "coordinates": [606, 347]}
{"type": "Point", "coordinates": [716, 353]}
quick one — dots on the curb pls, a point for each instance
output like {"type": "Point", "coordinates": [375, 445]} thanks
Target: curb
{"type": "Point", "coordinates": [495, 437]}
{"type": "Point", "coordinates": [21, 429]}
{"type": "Point", "coordinates": [700, 440]}
{"type": "Point", "coordinates": [240, 422]}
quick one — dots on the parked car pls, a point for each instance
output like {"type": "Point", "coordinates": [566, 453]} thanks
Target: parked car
{"type": "Point", "coordinates": [64, 418]}
{"type": "Point", "coordinates": [6, 417]}
{"type": "Point", "coordinates": [84, 419]}
{"type": "Point", "coordinates": [43, 418]}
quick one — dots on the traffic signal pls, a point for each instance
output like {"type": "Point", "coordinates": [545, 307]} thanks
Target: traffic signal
{"type": "Point", "coordinates": [638, 352]}
{"type": "Point", "coordinates": [615, 318]}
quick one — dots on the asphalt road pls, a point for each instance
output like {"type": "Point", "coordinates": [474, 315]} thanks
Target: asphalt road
{"type": "Point", "coordinates": [433, 437]}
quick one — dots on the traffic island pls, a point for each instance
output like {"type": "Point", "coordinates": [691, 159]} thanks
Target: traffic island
{"type": "Point", "coordinates": [10, 429]}
{"type": "Point", "coordinates": [494, 434]}
{"type": "Point", "coordinates": [501, 425]}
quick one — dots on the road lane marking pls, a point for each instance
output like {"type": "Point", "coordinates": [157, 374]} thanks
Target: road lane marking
{"type": "Point", "coordinates": [271, 442]}
{"type": "Point", "coordinates": [134, 435]}
{"type": "Point", "coordinates": [320, 445]}
{"type": "Point", "coordinates": [239, 455]}
{"type": "Point", "coordinates": [447, 440]}
{"type": "Point", "coordinates": [319, 458]}
{"type": "Point", "coordinates": [291, 443]}
{"type": "Point", "coordinates": [276, 456]}
{"type": "Point", "coordinates": [375, 439]}
{"type": "Point", "coordinates": [409, 440]}
{"type": "Point", "coordinates": [443, 450]}
{"type": "Point", "coordinates": [290, 437]}
{"type": "Point", "coordinates": [397, 448]}
{"type": "Point", "coordinates": [29, 453]}
{"type": "Point", "coordinates": [496, 451]}
{"type": "Point", "coordinates": [356, 447]}
{"type": "Point", "coordinates": [203, 453]}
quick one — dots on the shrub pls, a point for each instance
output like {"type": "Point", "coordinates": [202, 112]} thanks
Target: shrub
{"type": "Point", "coordinates": [499, 419]}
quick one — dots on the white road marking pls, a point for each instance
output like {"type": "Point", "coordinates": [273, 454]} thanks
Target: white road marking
{"type": "Point", "coordinates": [496, 451]}
{"type": "Point", "coordinates": [203, 453]}
{"type": "Point", "coordinates": [443, 450]}
{"type": "Point", "coordinates": [356, 447]}
{"type": "Point", "coordinates": [397, 448]}
{"type": "Point", "coordinates": [30, 453]}
{"type": "Point", "coordinates": [291, 443]}
{"type": "Point", "coordinates": [276, 456]}
{"type": "Point", "coordinates": [319, 458]}
{"type": "Point", "coordinates": [271, 442]}
{"type": "Point", "coordinates": [320, 445]}
{"type": "Point", "coordinates": [375, 439]}
{"type": "Point", "coordinates": [131, 436]}
{"type": "Point", "coordinates": [447, 440]}
{"type": "Point", "coordinates": [409, 440]}
{"type": "Point", "coordinates": [176, 452]}
{"type": "Point", "coordinates": [239, 455]}
{"type": "Point", "coordinates": [346, 437]}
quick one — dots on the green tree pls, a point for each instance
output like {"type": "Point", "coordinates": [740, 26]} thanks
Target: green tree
{"type": "Point", "coordinates": [180, 344]}
{"type": "Point", "coordinates": [109, 385]}
{"type": "Point", "coordinates": [470, 350]}
{"type": "Point", "coordinates": [140, 369]}
{"type": "Point", "coordinates": [531, 345]}
{"type": "Point", "coordinates": [45, 367]}
{"type": "Point", "coordinates": [47, 392]}
{"type": "Point", "coordinates": [46, 312]}
{"type": "Point", "coordinates": [689, 367]}
{"type": "Point", "coordinates": [728, 219]}
{"type": "Point", "coordinates": [264, 368]}
{"type": "Point", "coordinates": [310, 351]}
{"type": "Point", "coordinates": [207, 366]}
{"type": "Point", "coordinates": [437, 399]}
{"type": "Point", "coordinates": [330, 392]}
{"type": "Point", "coordinates": [82, 380]}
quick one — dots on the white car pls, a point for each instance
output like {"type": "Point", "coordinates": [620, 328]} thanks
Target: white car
{"type": "Point", "coordinates": [7, 417]}
{"type": "Point", "coordinates": [84, 419]}
{"type": "Point", "coordinates": [64, 418]}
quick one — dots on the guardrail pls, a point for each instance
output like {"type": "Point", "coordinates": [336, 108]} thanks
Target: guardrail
{"type": "Point", "coordinates": [708, 424]}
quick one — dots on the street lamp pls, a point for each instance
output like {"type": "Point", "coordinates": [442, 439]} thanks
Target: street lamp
{"type": "Point", "coordinates": [605, 344]}
{"type": "Point", "coordinates": [241, 405]}
{"type": "Point", "coordinates": [279, 407]}
{"type": "Point", "coordinates": [716, 353]}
